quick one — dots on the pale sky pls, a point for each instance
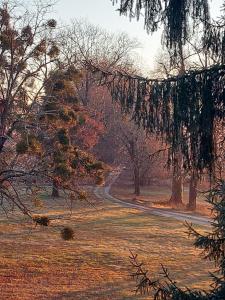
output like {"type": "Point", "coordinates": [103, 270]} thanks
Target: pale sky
{"type": "Point", "coordinates": [102, 13]}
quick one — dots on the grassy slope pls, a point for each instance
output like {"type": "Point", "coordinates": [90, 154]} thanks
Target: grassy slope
{"type": "Point", "coordinates": [36, 264]}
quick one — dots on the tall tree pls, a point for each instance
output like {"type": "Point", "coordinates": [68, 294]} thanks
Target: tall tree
{"type": "Point", "coordinates": [27, 53]}
{"type": "Point", "coordinates": [134, 143]}
{"type": "Point", "coordinates": [39, 109]}
{"type": "Point", "coordinates": [82, 42]}
{"type": "Point", "coordinates": [190, 94]}
{"type": "Point", "coordinates": [63, 117]}
{"type": "Point", "coordinates": [178, 177]}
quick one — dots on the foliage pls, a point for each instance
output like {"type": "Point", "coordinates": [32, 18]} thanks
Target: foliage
{"type": "Point", "coordinates": [214, 38]}
{"type": "Point", "coordinates": [181, 110]}
{"type": "Point", "coordinates": [129, 144]}
{"type": "Point", "coordinates": [62, 124]}
{"type": "Point", "coordinates": [212, 246]}
{"type": "Point", "coordinates": [179, 18]}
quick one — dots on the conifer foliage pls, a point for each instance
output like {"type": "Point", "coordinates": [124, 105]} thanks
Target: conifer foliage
{"type": "Point", "coordinates": [179, 18]}
{"type": "Point", "coordinates": [61, 116]}
{"type": "Point", "coordinates": [182, 110]}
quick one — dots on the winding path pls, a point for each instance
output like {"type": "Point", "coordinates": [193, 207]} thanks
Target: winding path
{"type": "Point", "coordinates": [104, 193]}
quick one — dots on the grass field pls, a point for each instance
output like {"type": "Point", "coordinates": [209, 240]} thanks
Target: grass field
{"type": "Point", "coordinates": [35, 263]}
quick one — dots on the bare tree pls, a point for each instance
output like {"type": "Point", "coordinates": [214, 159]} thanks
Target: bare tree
{"type": "Point", "coordinates": [83, 43]}
{"type": "Point", "coordinates": [27, 53]}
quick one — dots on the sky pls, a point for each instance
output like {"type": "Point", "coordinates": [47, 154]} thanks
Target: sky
{"type": "Point", "coordinates": [102, 13]}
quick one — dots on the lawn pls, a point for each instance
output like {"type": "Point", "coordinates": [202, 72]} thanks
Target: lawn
{"type": "Point", "coordinates": [35, 263]}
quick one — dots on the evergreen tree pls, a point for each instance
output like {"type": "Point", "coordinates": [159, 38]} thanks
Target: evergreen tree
{"type": "Point", "coordinates": [182, 109]}
{"type": "Point", "coordinates": [61, 117]}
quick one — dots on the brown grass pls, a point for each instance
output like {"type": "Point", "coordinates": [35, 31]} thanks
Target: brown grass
{"type": "Point", "coordinates": [35, 263]}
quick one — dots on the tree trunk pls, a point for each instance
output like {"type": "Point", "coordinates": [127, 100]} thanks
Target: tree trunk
{"type": "Point", "coordinates": [177, 191]}
{"type": "Point", "coordinates": [177, 182]}
{"type": "Point", "coordinates": [176, 198]}
{"type": "Point", "coordinates": [136, 181]}
{"type": "Point", "coordinates": [86, 88]}
{"type": "Point", "coordinates": [192, 192]}
{"type": "Point", "coordinates": [55, 189]}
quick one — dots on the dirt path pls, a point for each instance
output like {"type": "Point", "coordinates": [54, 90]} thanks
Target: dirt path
{"type": "Point", "coordinates": [104, 193]}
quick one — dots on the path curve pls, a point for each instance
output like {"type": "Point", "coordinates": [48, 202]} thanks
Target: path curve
{"type": "Point", "coordinates": [103, 192]}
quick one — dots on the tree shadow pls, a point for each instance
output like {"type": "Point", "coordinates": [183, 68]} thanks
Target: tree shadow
{"type": "Point", "coordinates": [119, 290]}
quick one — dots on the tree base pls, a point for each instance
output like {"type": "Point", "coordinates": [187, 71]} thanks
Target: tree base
{"type": "Point", "coordinates": [191, 207]}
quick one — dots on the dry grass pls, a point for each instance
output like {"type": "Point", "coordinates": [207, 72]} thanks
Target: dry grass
{"type": "Point", "coordinates": [35, 263]}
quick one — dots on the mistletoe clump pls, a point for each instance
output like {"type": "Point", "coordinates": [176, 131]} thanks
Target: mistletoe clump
{"type": "Point", "coordinates": [67, 233]}
{"type": "Point", "coordinates": [41, 220]}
